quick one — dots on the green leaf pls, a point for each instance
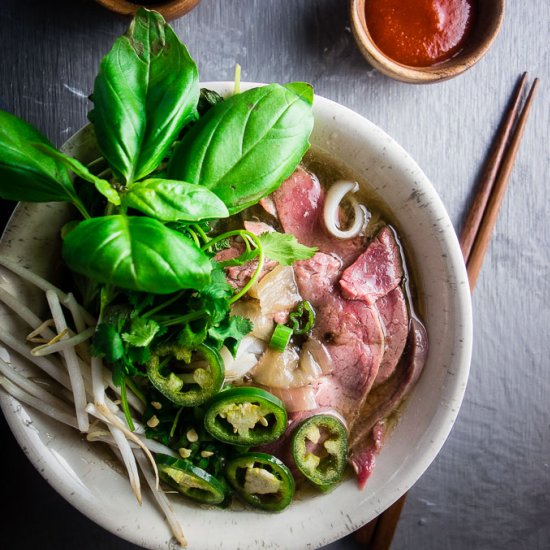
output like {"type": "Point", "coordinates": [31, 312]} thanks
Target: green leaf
{"type": "Point", "coordinates": [107, 342]}
{"type": "Point", "coordinates": [103, 186]}
{"type": "Point", "coordinates": [302, 90]}
{"type": "Point", "coordinates": [142, 332]}
{"type": "Point", "coordinates": [146, 91]}
{"type": "Point", "coordinates": [27, 174]}
{"type": "Point", "coordinates": [170, 200]}
{"type": "Point", "coordinates": [192, 336]}
{"type": "Point", "coordinates": [284, 248]}
{"type": "Point", "coordinates": [214, 298]}
{"type": "Point", "coordinates": [230, 333]}
{"type": "Point", "coordinates": [207, 100]}
{"type": "Point", "coordinates": [136, 253]}
{"type": "Point", "coordinates": [245, 146]}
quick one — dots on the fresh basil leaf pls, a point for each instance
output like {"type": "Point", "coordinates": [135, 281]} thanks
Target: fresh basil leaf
{"type": "Point", "coordinates": [245, 146]}
{"type": "Point", "coordinates": [284, 248]}
{"type": "Point", "coordinates": [146, 91]}
{"type": "Point", "coordinates": [170, 200]}
{"type": "Point", "coordinates": [136, 253]}
{"type": "Point", "coordinates": [302, 90]}
{"type": "Point", "coordinates": [27, 174]}
{"type": "Point", "coordinates": [230, 333]}
{"type": "Point", "coordinates": [103, 186]}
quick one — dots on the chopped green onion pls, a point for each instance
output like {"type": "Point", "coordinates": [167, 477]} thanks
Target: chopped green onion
{"type": "Point", "coordinates": [280, 337]}
{"type": "Point", "coordinates": [302, 318]}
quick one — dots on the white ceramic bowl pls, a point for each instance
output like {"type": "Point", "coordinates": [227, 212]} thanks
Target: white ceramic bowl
{"type": "Point", "coordinates": [86, 476]}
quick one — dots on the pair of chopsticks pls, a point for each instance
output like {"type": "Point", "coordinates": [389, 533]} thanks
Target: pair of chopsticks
{"type": "Point", "coordinates": [474, 241]}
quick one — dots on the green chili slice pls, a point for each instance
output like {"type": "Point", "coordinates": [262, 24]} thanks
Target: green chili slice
{"type": "Point", "coordinates": [302, 318]}
{"type": "Point", "coordinates": [188, 384]}
{"type": "Point", "coordinates": [320, 449]}
{"type": "Point", "coordinates": [246, 416]}
{"type": "Point", "coordinates": [190, 480]}
{"type": "Point", "coordinates": [280, 338]}
{"type": "Point", "coordinates": [262, 480]}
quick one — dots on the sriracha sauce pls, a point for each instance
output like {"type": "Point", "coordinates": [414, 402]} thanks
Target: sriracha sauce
{"type": "Point", "coordinates": [419, 33]}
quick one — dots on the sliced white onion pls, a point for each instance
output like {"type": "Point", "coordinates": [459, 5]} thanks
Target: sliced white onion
{"type": "Point", "coordinates": [296, 399]}
{"type": "Point", "coordinates": [317, 353]}
{"type": "Point", "coordinates": [277, 291]}
{"type": "Point", "coordinates": [248, 354]}
{"type": "Point", "coordinates": [331, 211]}
{"type": "Point", "coordinates": [263, 325]}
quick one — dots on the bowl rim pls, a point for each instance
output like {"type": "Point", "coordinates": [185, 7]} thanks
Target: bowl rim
{"type": "Point", "coordinates": [169, 9]}
{"type": "Point", "coordinates": [417, 75]}
{"type": "Point", "coordinates": [354, 518]}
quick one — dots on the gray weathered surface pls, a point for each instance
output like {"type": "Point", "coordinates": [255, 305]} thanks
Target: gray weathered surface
{"type": "Point", "coordinates": [490, 486]}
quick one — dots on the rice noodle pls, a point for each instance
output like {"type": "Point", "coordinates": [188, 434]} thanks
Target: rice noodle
{"type": "Point", "coordinates": [331, 210]}
{"type": "Point", "coordinates": [71, 360]}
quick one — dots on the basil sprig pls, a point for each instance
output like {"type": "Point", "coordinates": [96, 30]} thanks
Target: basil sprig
{"type": "Point", "coordinates": [146, 91]}
{"type": "Point", "coordinates": [160, 187]}
{"type": "Point", "coordinates": [244, 147]}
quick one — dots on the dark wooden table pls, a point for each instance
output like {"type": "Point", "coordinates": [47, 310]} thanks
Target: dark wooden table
{"type": "Point", "coordinates": [490, 485]}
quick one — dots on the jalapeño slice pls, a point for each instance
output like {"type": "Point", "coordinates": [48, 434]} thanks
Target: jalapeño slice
{"type": "Point", "coordinates": [320, 450]}
{"type": "Point", "coordinates": [188, 385]}
{"type": "Point", "coordinates": [246, 416]}
{"type": "Point", "coordinates": [262, 480]}
{"type": "Point", "coordinates": [190, 480]}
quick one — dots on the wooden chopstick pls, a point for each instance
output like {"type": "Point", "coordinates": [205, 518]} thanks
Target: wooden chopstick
{"type": "Point", "coordinates": [488, 221]}
{"type": "Point", "coordinates": [474, 241]}
{"type": "Point", "coordinates": [490, 171]}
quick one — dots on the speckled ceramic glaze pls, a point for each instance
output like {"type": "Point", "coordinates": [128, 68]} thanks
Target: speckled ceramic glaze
{"type": "Point", "coordinates": [86, 475]}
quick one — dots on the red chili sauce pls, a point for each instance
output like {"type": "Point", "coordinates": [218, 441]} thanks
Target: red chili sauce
{"type": "Point", "coordinates": [419, 33]}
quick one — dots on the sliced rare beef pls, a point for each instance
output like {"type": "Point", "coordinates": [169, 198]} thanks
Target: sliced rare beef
{"type": "Point", "coordinates": [299, 202]}
{"type": "Point", "coordinates": [376, 272]}
{"type": "Point", "coordinates": [395, 319]}
{"type": "Point", "coordinates": [351, 332]}
{"type": "Point", "coordinates": [374, 278]}
{"type": "Point", "coordinates": [367, 433]}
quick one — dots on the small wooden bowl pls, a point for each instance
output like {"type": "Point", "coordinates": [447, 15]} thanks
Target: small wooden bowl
{"type": "Point", "coordinates": [488, 20]}
{"type": "Point", "coordinates": [169, 9]}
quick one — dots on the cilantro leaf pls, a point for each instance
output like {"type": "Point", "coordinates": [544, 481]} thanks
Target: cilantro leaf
{"type": "Point", "coordinates": [214, 299]}
{"type": "Point", "coordinates": [142, 332]}
{"type": "Point", "coordinates": [108, 343]}
{"type": "Point", "coordinates": [230, 332]}
{"type": "Point", "coordinates": [191, 337]}
{"type": "Point", "coordinates": [138, 355]}
{"type": "Point", "coordinates": [284, 248]}
{"type": "Point", "coordinates": [246, 256]}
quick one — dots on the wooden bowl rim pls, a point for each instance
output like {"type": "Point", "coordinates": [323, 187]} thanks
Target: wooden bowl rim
{"type": "Point", "coordinates": [169, 9]}
{"type": "Point", "coordinates": [442, 71]}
